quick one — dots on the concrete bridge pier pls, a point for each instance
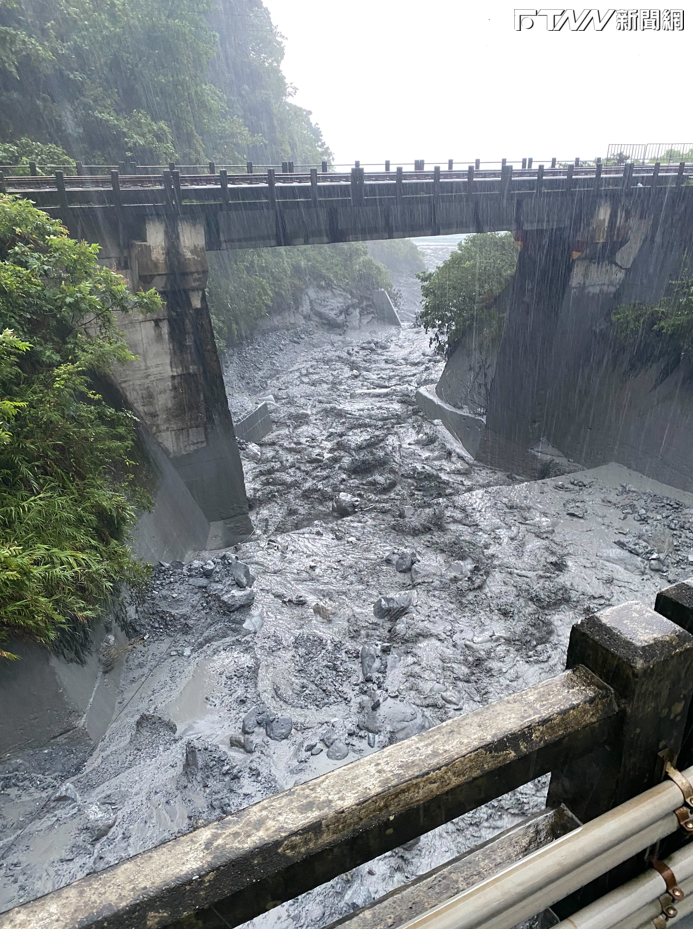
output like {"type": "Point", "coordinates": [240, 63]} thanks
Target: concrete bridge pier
{"type": "Point", "coordinates": [175, 385]}
{"type": "Point", "coordinates": [561, 373]}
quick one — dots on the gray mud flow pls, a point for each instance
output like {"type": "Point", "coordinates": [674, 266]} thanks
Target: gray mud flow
{"type": "Point", "coordinates": [392, 583]}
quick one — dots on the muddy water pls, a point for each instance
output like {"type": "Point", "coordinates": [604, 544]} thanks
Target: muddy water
{"type": "Point", "coordinates": [351, 478]}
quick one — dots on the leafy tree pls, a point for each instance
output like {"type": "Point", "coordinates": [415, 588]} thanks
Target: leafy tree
{"type": "Point", "coordinates": [24, 151]}
{"type": "Point", "coordinates": [67, 490]}
{"type": "Point", "coordinates": [659, 329]}
{"type": "Point", "coordinates": [150, 80]}
{"type": "Point", "coordinates": [459, 296]}
{"type": "Point", "coordinates": [247, 285]}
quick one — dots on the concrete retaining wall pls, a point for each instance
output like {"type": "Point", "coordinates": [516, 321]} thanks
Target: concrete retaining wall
{"type": "Point", "coordinates": [385, 311]}
{"type": "Point", "coordinates": [255, 425]}
{"type": "Point", "coordinates": [466, 427]}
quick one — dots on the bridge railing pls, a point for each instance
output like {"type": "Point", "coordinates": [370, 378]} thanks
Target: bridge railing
{"type": "Point", "coordinates": [174, 191]}
{"type": "Point", "coordinates": [132, 168]}
{"type": "Point", "coordinates": [605, 729]}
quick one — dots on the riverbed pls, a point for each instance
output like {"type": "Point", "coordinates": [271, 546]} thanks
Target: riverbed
{"type": "Point", "coordinates": [392, 583]}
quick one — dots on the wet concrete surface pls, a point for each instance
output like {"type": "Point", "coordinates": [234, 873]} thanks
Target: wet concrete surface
{"type": "Point", "coordinates": [392, 583]}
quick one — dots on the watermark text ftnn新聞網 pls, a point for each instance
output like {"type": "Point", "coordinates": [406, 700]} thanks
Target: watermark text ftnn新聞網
{"type": "Point", "coordinates": [555, 20]}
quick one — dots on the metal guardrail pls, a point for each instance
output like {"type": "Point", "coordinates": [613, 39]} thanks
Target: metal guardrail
{"type": "Point", "coordinates": [603, 728]}
{"type": "Point", "coordinates": [649, 151]}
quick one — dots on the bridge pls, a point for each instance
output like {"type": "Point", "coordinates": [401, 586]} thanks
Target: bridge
{"type": "Point", "coordinates": [614, 731]}
{"type": "Point", "coordinates": [591, 221]}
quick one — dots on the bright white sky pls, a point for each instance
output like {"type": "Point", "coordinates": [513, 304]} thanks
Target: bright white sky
{"type": "Point", "coordinates": [439, 79]}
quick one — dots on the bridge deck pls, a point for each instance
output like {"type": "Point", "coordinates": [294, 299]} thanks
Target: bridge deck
{"type": "Point", "coordinates": [251, 210]}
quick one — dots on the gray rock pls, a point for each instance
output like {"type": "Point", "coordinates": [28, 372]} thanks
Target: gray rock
{"type": "Point", "coordinates": [404, 561]}
{"type": "Point", "coordinates": [209, 569]}
{"type": "Point", "coordinates": [192, 761]}
{"type": "Point", "coordinates": [187, 652]}
{"type": "Point", "coordinates": [316, 750]}
{"type": "Point", "coordinates": [577, 512]}
{"type": "Point", "coordinates": [67, 792]}
{"type": "Point", "coordinates": [337, 751]}
{"type": "Point", "coordinates": [323, 609]}
{"type": "Point", "coordinates": [253, 452]}
{"type": "Point", "coordinates": [249, 722]}
{"type": "Point", "coordinates": [329, 738]}
{"type": "Point", "coordinates": [280, 728]}
{"type": "Point", "coordinates": [100, 821]}
{"type": "Point", "coordinates": [241, 574]}
{"type": "Point", "coordinates": [370, 661]}
{"type": "Point", "coordinates": [392, 607]}
{"type": "Point", "coordinates": [235, 599]}
{"type": "Point", "coordinates": [345, 505]}
{"type": "Point", "coordinates": [200, 582]}
{"type": "Point", "coordinates": [249, 744]}
{"type": "Point", "coordinates": [107, 654]}
{"type": "Point", "coordinates": [237, 740]}
{"type": "Point", "coordinates": [371, 740]}
{"type": "Point", "coordinates": [254, 622]}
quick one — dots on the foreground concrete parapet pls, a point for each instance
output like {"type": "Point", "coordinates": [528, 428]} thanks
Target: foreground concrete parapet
{"type": "Point", "coordinates": [676, 603]}
{"type": "Point", "coordinates": [176, 385]}
{"type": "Point", "coordinates": [454, 877]}
{"type": "Point", "coordinates": [242, 865]}
{"type": "Point", "coordinates": [648, 661]}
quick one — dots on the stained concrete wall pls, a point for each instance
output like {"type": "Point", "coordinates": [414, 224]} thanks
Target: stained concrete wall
{"type": "Point", "coordinates": [561, 375]}
{"type": "Point", "coordinates": [176, 527]}
{"type": "Point", "coordinates": [175, 385]}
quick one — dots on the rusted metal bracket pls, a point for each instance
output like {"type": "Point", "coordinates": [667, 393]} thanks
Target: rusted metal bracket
{"type": "Point", "coordinates": [673, 895]}
{"type": "Point", "coordinates": [683, 813]}
{"type": "Point", "coordinates": [681, 782]}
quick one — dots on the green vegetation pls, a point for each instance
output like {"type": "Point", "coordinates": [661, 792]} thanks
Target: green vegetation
{"type": "Point", "coordinates": [245, 286]}
{"type": "Point", "coordinates": [153, 81]}
{"type": "Point", "coordinates": [460, 295]}
{"type": "Point", "coordinates": [25, 151]}
{"type": "Point", "coordinates": [67, 494]}
{"type": "Point", "coordinates": [662, 329]}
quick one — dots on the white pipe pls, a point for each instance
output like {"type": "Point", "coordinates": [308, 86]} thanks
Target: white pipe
{"type": "Point", "coordinates": [628, 906]}
{"type": "Point", "coordinates": [648, 913]}
{"type": "Point", "coordinates": [551, 873]}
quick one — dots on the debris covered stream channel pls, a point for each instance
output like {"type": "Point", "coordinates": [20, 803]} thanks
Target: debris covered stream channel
{"type": "Point", "coordinates": [392, 583]}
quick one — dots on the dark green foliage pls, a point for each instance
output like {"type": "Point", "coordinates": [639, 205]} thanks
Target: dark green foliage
{"type": "Point", "coordinates": [244, 286]}
{"type": "Point", "coordinates": [25, 151]}
{"type": "Point", "coordinates": [398, 255]}
{"type": "Point", "coordinates": [67, 496]}
{"type": "Point", "coordinates": [459, 296]}
{"type": "Point", "coordinates": [150, 80]}
{"type": "Point", "coordinates": [663, 329]}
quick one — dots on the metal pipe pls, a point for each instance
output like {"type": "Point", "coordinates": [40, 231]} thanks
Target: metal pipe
{"type": "Point", "coordinates": [629, 906]}
{"type": "Point", "coordinates": [551, 873]}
